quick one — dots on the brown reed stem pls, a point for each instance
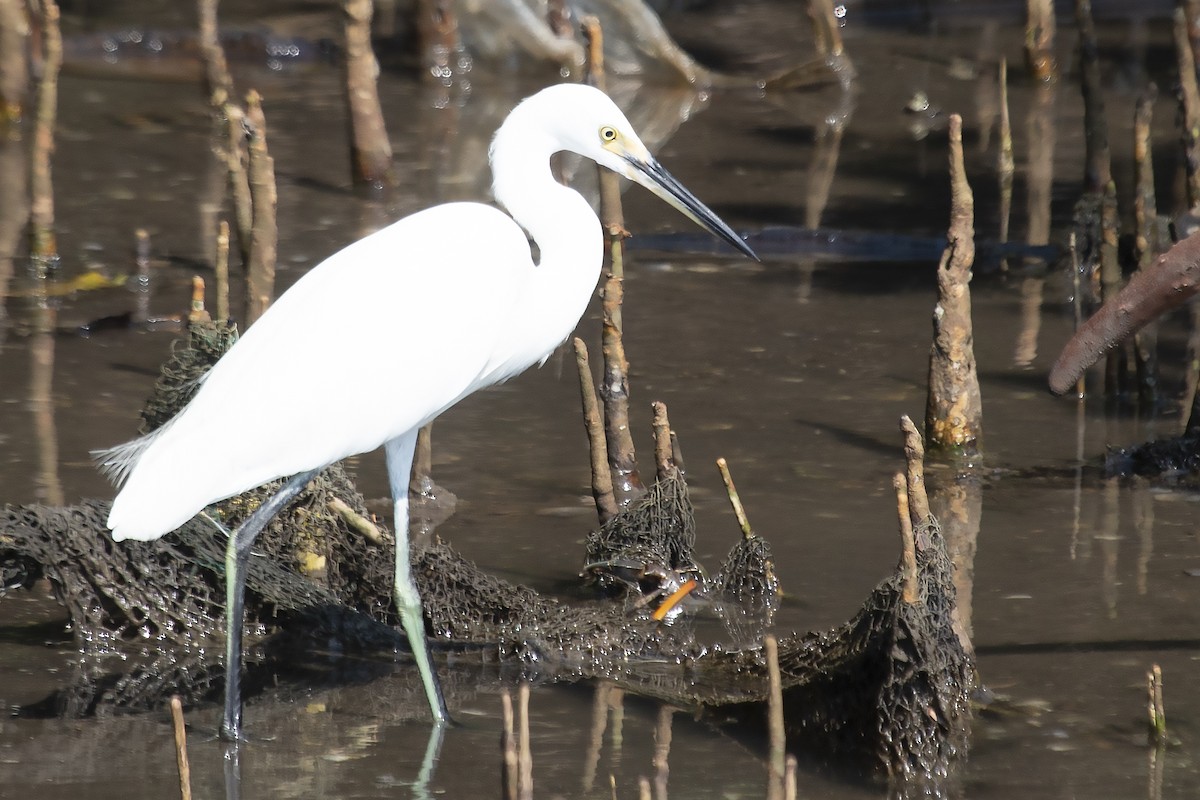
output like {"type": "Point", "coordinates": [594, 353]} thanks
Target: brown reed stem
{"type": "Point", "coordinates": [264, 236]}
{"type": "Point", "coordinates": [370, 149]}
{"type": "Point", "coordinates": [222, 271]}
{"type": "Point", "coordinates": [524, 753]}
{"type": "Point", "coordinates": [234, 152]}
{"type": "Point", "coordinates": [908, 558]}
{"type": "Point", "coordinates": [776, 761]}
{"type": "Point", "coordinates": [1098, 160]}
{"type": "Point", "coordinates": [735, 500]}
{"type": "Point", "coordinates": [197, 313]}
{"type": "Point", "coordinates": [1155, 706]}
{"type": "Point", "coordinates": [954, 411]}
{"type": "Point", "coordinates": [43, 246]}
{"type": "Point", "coordinates": [1190, 101]}
{"type": "Point", "coordinates": [357, 522]}
{"type": "Point", "coordinates": [614, 388]}
{"type": "Point", "coordinates": [1147, 240]}
{"type": "Point", "coordinates": [1006, 164]}
{"type": "Point", "coordinates": [1039, 39]}
{"type": "Point", "coordinates": [181, 756]}
{"type": "Point", "coordinates": [14, 63]}
{"type": "Point", "coordinates": [662, 440]}
{"type": "Point", "coordinates": [510, 769]}
{"type": "Point", "coordinates": [914, 459]}
{"type": "Point", "coordinates": [218, 83]}
{"type": "Point", "coordinates": [602, 487]}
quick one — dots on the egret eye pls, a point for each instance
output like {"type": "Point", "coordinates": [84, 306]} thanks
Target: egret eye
{"type": "Point", "coordinates": [608, 134]}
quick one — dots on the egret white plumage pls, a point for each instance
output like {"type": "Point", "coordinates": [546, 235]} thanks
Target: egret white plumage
{"type": "Point", "coordinates": [433, 307]}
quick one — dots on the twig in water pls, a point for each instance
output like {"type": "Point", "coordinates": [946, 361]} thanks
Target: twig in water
{"type": "Point", "coordinates": [614, 389]}
{"type": "Point", "coordinates": [735, 500]}
{"type": "Point", "coordinates": [914, 459]}
{"type": "Point", "coordinates": [42, 244]}
{"type": "Point", "coordinates": [234, 150]}
{"type": "Point", "coordinates": [1039, 39]}
{"type": "Point", "coordinates": [370, 149]}
{"type": "Point", "coordinates": [954, 411]}
{"type": "Point", "coordinates": [1189, 98]}
{"type": "Point", "coordinates": [508, 747]}
{"type": "Point", "coordinates": [222, 270]}
{"type": "Point", "coordinates": [1155, 707]}
{"type": "Point", "coordinates": [1006, 165]}
{"type": "Point", "coordinates": [264, 235]}
{"type": "Point", "coordinates": [524, 754]}
{"type": "Point", "coordinates": [218, 83]}
{"type": "Point", "coordinates": [776, 762]}
{"type": "Point", "coordinates": [142, 260]}
{"type": "Point", "coordinates": [357, 521]}
{"type": "Point", "coordinates": [908, 557]}
{"type": "Point", "coordinates": [197, 312]}
{"type": "Point", "coordinates": [662, 440]}
{"type": "Point", "coordinates": [602, 487]}
{"type": "Point", "coordinates": [181, 756]}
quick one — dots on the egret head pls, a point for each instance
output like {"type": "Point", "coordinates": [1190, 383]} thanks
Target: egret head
{"type": "Point", "coordinates": [586, 121]}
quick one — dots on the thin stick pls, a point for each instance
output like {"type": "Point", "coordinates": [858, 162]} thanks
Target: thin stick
{"type": "Point", "coordinates": [222, 270]}
{"type": "Point", "coordinates": [914, 460]}
{"type": "Point", "coordinates": [1098, 160]}
{"type": "Point", "coordinates": [508, 747]}
{"type": "Point", "coordinates": [954, 410]}
{"type": "Point", "coordinates": [776, 762]}
{"type": "Point", "coordinates": [181, 756]}
{"type": "Point", "coordinates": [908, 558]}
{"type": "Point", "coordinates": [735, 500]}
{"type": "Point", "coordinates": [264, 236]}
{"type": "Point", "coordinates": [614, 389]}
{"type": "Point", "coordinates": [1155, 706]}
{"type": "Point", "coordinates": [239, 183]}
{"type": "Point", "coordinates": [789, 779]}
{"type": "Point", "coordinates": [197, 312]}
{"type": "Point", "coordinates": [525, 755]}
{"type": "Point", "coordinates": [1147, 242]}
{"type": "Point", "coordinates": [1190, 99]}
{"type": "Point", "coordinates": [1006, 165]}
{"type": "Point", "coordinates": [602, 487]}
{"type": "Point", "coordinates": [662, 440]}
{"type": "Point", "coordinates": [370, 149]}
{"type": "Point", "coordinates": [421, 480]}
{"type": "Point", "coordinates": [43, 246]}
{"type": "Point", "coordinates": [142, 259]}
{"type": "Point", "coordinates": [356, 521]}
{"type": "Point", "coordinates": [218, 83]}
{"type": "Point", "coordinates": [1039, 39]}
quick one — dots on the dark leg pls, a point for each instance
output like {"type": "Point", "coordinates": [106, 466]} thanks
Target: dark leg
{"type": "Point", "coordinates": [237, 557]}
{"type": "Point", "coordinates": [408, 602]}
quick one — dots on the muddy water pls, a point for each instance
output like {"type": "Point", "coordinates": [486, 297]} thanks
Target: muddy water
{"type": "Point", "coordinates": [795, 370]}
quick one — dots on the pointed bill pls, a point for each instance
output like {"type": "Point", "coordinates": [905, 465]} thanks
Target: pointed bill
{"type": "Point", "coordinates": [649, 173]}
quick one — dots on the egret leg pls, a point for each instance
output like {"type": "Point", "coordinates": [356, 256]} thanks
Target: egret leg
{"type": "Point", "coordinates": [237, 558]}
{"type": "Point", "coordinates": [408, 601]}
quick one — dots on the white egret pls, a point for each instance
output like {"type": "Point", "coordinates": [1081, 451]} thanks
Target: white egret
{"type": "Point", "coordinates": [433, 307]}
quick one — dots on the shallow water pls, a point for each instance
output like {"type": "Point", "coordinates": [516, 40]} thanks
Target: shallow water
{"type": "Point", "coordinates": [795, 370]}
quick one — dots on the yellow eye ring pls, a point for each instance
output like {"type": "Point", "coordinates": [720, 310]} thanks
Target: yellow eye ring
{"type": "Point", "coordinates": [608, 134]}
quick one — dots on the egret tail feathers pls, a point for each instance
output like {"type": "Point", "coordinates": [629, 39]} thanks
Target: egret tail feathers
{"type": "Point", "coordinates": [115, 463]}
